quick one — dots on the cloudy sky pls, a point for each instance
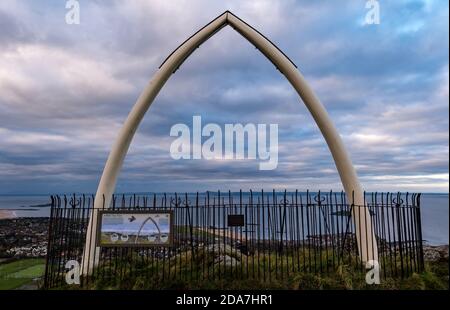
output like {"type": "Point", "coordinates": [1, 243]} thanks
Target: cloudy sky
{"type": "Point", "coordinates": [66, 89]}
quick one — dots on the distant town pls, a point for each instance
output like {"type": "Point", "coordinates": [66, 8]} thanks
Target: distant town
{"type": "Point", "coordinates": [23, 237]}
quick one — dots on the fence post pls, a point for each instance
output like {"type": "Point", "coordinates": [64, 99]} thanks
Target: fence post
{"type": "Point", "coordinates": [419, 233]}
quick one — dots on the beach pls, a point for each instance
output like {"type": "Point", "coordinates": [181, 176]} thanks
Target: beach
{"type": "Point", "coordinates": [7, 214]}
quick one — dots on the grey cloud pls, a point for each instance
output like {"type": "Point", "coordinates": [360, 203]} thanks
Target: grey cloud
{"type": "Point", "coordinates": [385, 88]}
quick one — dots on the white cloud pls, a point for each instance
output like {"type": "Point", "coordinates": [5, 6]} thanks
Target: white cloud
{"type": "Point", "coordinates": [36, 70]}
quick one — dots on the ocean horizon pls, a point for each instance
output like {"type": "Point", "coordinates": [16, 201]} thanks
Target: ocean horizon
{"type": "Point", "coordinates": [434, 211]}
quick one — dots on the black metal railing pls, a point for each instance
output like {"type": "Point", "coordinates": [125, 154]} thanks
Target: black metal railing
{"type": "Point", "coordinates": [279, 235]}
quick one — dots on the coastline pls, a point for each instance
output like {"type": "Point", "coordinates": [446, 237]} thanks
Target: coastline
{"type": "Point", "coordinates": [24, 237]}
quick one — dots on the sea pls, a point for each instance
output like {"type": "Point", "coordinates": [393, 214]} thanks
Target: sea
{"type": "Point", "coordinates": [434, 211]}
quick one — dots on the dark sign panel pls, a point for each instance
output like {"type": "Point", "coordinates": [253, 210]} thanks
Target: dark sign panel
{"type": "Point", "coordinates": [236, 220]}
{"type": "Point", "coordinates": [134, 228]}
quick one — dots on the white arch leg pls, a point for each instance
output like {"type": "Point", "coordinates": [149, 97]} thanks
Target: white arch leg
{"type": "Point", "coordinates": [365, 234]}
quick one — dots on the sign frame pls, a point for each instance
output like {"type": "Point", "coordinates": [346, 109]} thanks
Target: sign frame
{"type": "Point", "coordinates": [131, 212]}
{"type": "Point", "coordinates": [236, 220]}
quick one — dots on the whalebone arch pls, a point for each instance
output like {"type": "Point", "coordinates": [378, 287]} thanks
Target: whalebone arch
{"type": "Point", "coordinates": [366, 241]}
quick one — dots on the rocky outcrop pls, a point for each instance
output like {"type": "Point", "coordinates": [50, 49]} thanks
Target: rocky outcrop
{"type": "Point", "coordinates": [225, 255]}
{"type": "Point", "coordinates": [435, 253]}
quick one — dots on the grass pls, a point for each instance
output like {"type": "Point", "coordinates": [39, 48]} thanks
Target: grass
{"type": "Point", "coordinates": [187, 272]}
{"type": "Point", "coordinates": [18, 273]}
{"type": "Point", "coordinates": [30, 272]}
